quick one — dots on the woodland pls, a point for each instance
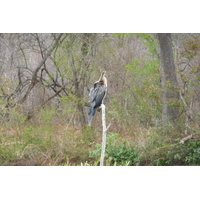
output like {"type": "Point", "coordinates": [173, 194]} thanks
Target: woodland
{"type": "Point", "coordinates": [152, 102]}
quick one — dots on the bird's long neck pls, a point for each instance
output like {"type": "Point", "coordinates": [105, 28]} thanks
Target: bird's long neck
{"type": "Point", "coordinates": [103, 79]}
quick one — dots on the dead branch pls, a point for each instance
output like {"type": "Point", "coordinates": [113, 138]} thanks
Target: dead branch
{"type": "Point", "coordinates": [186, 138]}
{"type": "Point", "coordinates": [104, 133]}
{"type": "Point", "coordinates": [34, 75]}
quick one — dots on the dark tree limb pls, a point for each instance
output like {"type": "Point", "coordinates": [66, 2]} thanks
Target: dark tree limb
{"type": "Point", "coordinates": [34, 75]}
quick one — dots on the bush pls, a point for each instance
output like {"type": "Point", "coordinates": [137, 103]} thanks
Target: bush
{"type": "Point", "coordinates": [118, 152]}
{"type": "Point", "coordinates": [187, 154]}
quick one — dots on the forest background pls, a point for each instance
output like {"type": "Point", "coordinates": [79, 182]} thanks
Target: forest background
{"type": "Point", "coordinates": [44, 90]}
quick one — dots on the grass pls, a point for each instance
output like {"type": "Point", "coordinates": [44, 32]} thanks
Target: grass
{"type": "Point", "coordinates": [50, 141]}
{"type": "Point", "coordinates": [41, 145]}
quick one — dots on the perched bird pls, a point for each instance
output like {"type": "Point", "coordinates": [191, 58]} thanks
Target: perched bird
{"type": "Point", "coordinates": [97, 95]}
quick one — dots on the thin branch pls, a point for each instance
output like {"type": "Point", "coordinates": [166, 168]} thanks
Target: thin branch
{"type": "Point", "coordinates": [57, 93]}
{"type": "Point", "coordinates": [34, 75]}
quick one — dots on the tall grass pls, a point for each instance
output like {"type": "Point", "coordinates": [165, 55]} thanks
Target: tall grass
{"type": "Point", "coordinates": [50, 138]}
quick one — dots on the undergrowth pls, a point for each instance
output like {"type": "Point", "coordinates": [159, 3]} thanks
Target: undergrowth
{"type": "Point", "coordinates": [118, 152]}
{"type": "Point", "coordinates": [42, 145]}
{"type": "Point", "coordinates": [52, 142]}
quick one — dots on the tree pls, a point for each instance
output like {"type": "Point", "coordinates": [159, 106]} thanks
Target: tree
{"type": "Point", "coordinates": [36, 70]}
{"type": "Point", "coordinates": [169, 81]}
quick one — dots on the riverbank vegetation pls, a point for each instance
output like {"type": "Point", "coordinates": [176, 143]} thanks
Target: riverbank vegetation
{"type": "Point", "coordinates": [44, 90]}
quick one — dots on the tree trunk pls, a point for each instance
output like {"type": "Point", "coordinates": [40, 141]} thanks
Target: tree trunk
{"type": "Point", "coordinates": [170, 96]}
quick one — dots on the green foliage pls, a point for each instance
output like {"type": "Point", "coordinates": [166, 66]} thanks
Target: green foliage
{"type": "Point", "coordinates": [54, 135]}
{"type": "Point", "coordinates": [150, 42]}
{"type": "Point", "coordinates": [42, 145]}
{"type": "Point", "coordinates": [192, 156]}
{"type": "Point", "coordinates": [12, 115]}
{"type": "Point", "coordinates": [118, 152]}
{"type": "Point", "coordinates": [47, 115]}
{"type": "Point", "coordinates": [28, 143]}
{"type": "Point", "coordinates": [141, 94]}
{"type": "Point", "coordinates": [144, 90]}
{"type": "Point", "coordinates": [191, 47]}
{"type": "Point", "coordinates": [178, 154]}
{"type": "Point", "coordinates": [6, 154]}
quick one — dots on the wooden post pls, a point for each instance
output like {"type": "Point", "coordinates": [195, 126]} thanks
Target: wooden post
{"type": "Point", "coordinates": [103, 134]}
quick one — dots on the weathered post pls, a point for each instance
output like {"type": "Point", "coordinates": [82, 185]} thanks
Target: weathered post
{"type": "Point", "coordinates": [103, 134]}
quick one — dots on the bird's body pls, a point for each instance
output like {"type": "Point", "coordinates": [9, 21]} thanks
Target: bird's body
{"type": "Point", "coordinates": [97, 95]}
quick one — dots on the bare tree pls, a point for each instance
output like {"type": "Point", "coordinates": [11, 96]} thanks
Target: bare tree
{"type": "Point", "coordinates": [35, 72]}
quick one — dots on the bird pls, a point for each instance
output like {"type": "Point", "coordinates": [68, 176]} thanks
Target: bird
{"type": "Point", "coordinates": [97, 95]}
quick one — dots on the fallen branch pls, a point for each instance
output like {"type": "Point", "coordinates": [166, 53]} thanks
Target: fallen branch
{"type": "Point", "coordinates": [186, 138]}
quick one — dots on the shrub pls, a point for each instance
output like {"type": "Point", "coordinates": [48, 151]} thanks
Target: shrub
{"type": "Point", "coordinates": [179, 154]}
{"type": "Point", "coordinates": [118, 152]}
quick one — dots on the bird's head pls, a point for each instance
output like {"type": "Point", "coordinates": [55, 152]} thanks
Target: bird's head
{"type": "Point", "coordinates": [103, 78]}
{"type": "Point", "coordinates": [103, 73]}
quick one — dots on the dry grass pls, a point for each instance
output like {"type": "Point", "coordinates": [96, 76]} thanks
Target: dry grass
{"type": "Point", "coordinates": [42, 145]}
{"type": "Point", "coordinates": [54, 142]}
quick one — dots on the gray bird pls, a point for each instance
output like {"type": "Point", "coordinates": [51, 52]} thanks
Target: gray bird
{"type": "Point", "coordinates": [97, 95]}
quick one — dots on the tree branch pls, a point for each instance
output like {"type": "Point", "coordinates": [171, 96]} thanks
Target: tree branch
{"type": "Point", "coordinates": [34, 75]}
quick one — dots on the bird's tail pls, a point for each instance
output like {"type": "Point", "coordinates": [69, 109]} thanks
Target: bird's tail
{"type": "Point", "coordinates": [91, 115]}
